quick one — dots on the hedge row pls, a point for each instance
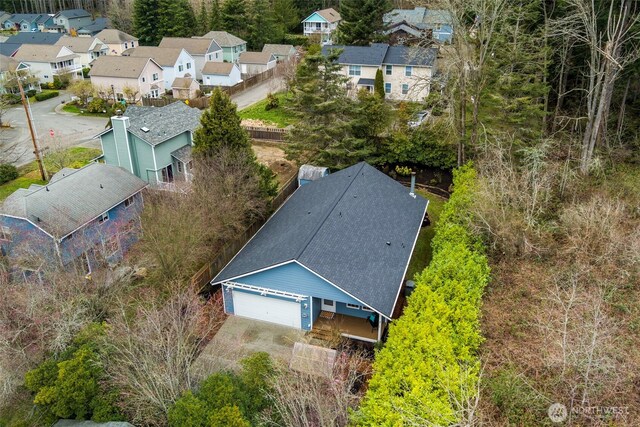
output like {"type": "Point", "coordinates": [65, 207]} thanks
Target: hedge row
{"type": "Point", "coordinates": [429, 363]}
{"type": "Point", "coordinates": [46, 95]}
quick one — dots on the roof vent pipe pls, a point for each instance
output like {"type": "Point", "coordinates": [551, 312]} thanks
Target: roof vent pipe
{"type": "Point", "coordinates": [412, 192]}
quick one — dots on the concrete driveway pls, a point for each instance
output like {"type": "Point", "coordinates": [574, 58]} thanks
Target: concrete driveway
{"type": "Point", "coordinates": [68, 129]}
{"type": "Point", "coordinates": [239, 338]}
{"type": "Point", "coordinates": [257, 93]}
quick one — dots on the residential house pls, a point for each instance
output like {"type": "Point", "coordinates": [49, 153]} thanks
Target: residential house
{"type": "Point", "coordinates": [94, 28]}
{"type": "Point", "coordinates": [83, 217]}
{"type": "Point", "coordinates": [185, 87]}
{"type": "Point", "coordinates": [117, 40]}
{"type": "Point", "coordinates": [406, 26]}
{"type": "Point", "coordinates": [221, 74]}
{"type": "Point", "coordinates": [30, 22]}
{"type": "Point", "coordinates": [407, 71]}
{"type": "Point", "coordinates": [252, 63]}
{"type": "Point", "coordinates": [322, 24]}
{"type": "Point", "coordinates": [4, 16]}
{"type": "Point", "coordinates": [334, 255]}
{"type": "Point", "coordinates": [282, 52]}
{"type": "Point", "coordinates": [9, 49]}
{"type": "Point", "coordinates": [153, 143]}
{"type": "Point", "coordinates": [72, 19]}
{"type": "Point", "coordinates": [201, 50]}
{"type": "Point", "coordinates": [232, 46]}
{"type": "Point", "coordinates": [175, 62]}
{"type": "Point", "coordinates": [114, 74]}
{"type": "Point", "coordinates": [8, 69]}
{"type": "Point", "coordinates": [87, 48]}
{"type": "Point", "coordinates": [34, 38]}
{"type": "Point", "coordinates": [47, 62]}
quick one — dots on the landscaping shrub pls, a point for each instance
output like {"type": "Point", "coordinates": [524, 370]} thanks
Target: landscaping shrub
{"type": "Point", "coordinates": [7, 173]}
{"type": "Point", "coordinates": [11, 98]}
{"type": "Point", "coordinates": [296, 40]}
{"type": "Point", "coordinates": [85, 72]}
{"type": "Point", "coordinates": [46, 95]}
{"type": "Point", "coordinates": [30, 93]}
{"type": "Point", "coordinates": [272, 102]}
{"type": "Point", "coordinates": [429, 367]}
{"type": "Point", "coordinates": [97, 105]}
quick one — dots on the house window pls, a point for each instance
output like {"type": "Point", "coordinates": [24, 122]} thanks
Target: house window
{"type": "Point", "coordinates": [387, 88]}
{"type": "Point", "coordinates": [408, 70]}
{"type": "Point", "coordinates": [353, 306]}
{"type": "Point", "coordinates": [189, 165]}
{"type": "Point", "coordinates": [355, 70]}
{"type": "Point", "coordinates": [180, 68]}
{"type": "Point", "coordinates": [126, 46]}
{"type": "Point", "coordinates": [111, 246]}
{"type": "Point", "coordinates": [318, 26]}
{"type": "Point", "coordinates": [154, 76]}
{"type": "Point", "coordinates": [388, 69]}
{"type": "Point", "coordinates": [104, 217]}
{"type": "Point", "coordinates": [46, 77]}
{"type": "Point", "coordinates": [180, 169]}
{"type": "Point", "coordinates": [5, 233]}
{"type": "Point", "coordinates": [405, 89]}
{"type": "Point", "coordinates": [128, 202]}
{"type": "Point", "coordinates": [119, 96]}
{"type": "Point", "coordinates": [365, 308]}
{"type": "Point", "coordinates": [133, 44]}
{"type": "Point", "coordinates": [154, 93]}
{"type": "Point", "coordinates": [216, 55]}
{"type": "Point", "coordinates": [167, 174]}
{"type": "Point", "coordinates": [189, 64]}
{"type": "Point", "coordinates": [211, 57]}
{"type": "Point", "coordinates": [144, 79]}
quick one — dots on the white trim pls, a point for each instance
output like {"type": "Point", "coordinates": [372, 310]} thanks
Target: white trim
{"type": "Point", "coordinates": [379, 328]}
{"type": "Point", "coordinates": [265, 291]}
{"type": "Point", "coordinates": [339, 288]}
{"type": "Point", "coordinates": [251, 272]}
{"type": "Point", "coordinates": [353, 306]}
{"type": "Point", "coordinates": [356, 337]}
{"type": "Point", "coordinates": [311, 312]}
{"type": "Point", "coordinates": [224, 302]}
{"type": "Point", "coordinates": [126, 137]}
{"type": "Point", "coordinates": [411, 255]}
{"type": "Point", "coordinates": [155, 164]}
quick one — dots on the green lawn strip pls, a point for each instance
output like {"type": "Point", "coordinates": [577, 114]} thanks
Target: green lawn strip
{"type": "Point", "coordinates": [422, 252]}
{"type": "Point", "coordinates": [75, 157]}
{"type": "Point", "coordinates": [72, 108]}
{"type": "Point", "coordinates": [280, 116]}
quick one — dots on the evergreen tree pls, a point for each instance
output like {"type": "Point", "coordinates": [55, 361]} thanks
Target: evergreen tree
{"type": "Point", "coordinates": [215, 20]}
{"type": "Point", "coordinates": [378, 85]}
{"type": "Point", "coordinates": [234, 17]}
{"type": "Point", "coordinates": [361, 20]}
{"type": "Point", "coordinates": [262, 27]}
{"type": "Point", "coordinates": [146, 22]}
{"type": "Point", "coordinates": [286, 15]}
{"type": "Point", "coordinates": [202, 20]}
{"type": "Point", "coordinates": [176, 19]}
{"type": "Point", "coordinates": [220, 129]}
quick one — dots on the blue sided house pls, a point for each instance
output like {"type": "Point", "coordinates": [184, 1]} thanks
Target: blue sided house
{"type": "Point", "coordinates": [333, 257]}
{"type": "Point", "coordinates": [82, 218]}
{"type": "Point", "coordinates": [408, 26]}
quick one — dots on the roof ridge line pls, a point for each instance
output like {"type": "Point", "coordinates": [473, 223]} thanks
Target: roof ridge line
{"type": "Point", "coordinates": [313, 235]}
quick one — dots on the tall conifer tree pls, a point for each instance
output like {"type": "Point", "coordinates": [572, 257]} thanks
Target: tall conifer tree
{"type": "Point", "coordinates": [361, 21]}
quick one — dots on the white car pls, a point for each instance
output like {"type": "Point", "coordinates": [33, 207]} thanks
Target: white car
{"type": "Point", "coordinates": [421, 116]}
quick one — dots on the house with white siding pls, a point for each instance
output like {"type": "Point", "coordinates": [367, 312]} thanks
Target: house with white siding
{"type": "Point", "coordinates": [322, 24]}
{"type": "Point", "coordinates": [87, 48]}
{"type": "Point", "coordinates": [112, 74]}
{"type": "Point", "coordinates": [46, 61]}
{"type": "Point", "coordinates": [201, 50]}
{"type": "Point", "coordinates": [221, 74]}
{"type": "Point", "coordinates": [407, 71]}
{"type": "Point", "coordinates": [252, 63]}
{"type": "Point", "coordinates": [175, 62]}
{"type": "Point", "coordinates": [72, 19]}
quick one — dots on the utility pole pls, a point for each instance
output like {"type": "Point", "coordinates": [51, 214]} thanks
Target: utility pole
{"type": "Point", "coordinates": [36, 152]}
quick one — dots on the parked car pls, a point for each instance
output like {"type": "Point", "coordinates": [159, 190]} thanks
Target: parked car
{"type": "Point", "coordinates": [421, 116]}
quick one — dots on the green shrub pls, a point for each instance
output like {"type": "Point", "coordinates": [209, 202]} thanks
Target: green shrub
{"type": "Point", "coordinates": [189, 411]}
{"type": "Point", "coordinates": [430, 359]}
{"type": "Point", "coordinates": [229, 416]}
{"type": "Point", "coordinates": [85, 72]}
{"type": "Point", "coordinates": [296, 40]}
{"type": "Point", "coordinates": [30, 93]}
{"type": "Point", "coordinates": [7, 173]}
{"type": "Point", "coordinates": [515, 398]}
{"type": "Point", "coordinates": [97, 105]}
{"type": "Point", "coordinates": [46, 95]}
{"type": "Point", "coordinates": [403, 170]}
{"type": "Point", "coordinates": [272, 102]}
{"type": "Point", "coordinates": [11, 98]}
{"type": "Point", "coordinates": [431, 146]}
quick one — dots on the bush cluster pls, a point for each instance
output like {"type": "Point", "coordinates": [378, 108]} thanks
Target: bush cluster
{"type": "Point", "coordinates": [7, 173]}
{"type": "Point", "coordinates": [430, 360]}
{"type": "Point", "coordinates": [46, 95]}
{"type": "Point", "coordinates": [11, 98]}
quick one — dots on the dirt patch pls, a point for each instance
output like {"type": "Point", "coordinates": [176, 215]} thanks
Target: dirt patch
{"type": "Point", "coordinates": [274, 157]}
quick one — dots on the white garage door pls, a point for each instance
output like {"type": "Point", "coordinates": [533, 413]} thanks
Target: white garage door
{"type": "Point", "coordinates": [268, 309]}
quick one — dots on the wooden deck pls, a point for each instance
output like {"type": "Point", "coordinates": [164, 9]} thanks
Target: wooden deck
{"type": "Point", "coordinates": [348, 326]}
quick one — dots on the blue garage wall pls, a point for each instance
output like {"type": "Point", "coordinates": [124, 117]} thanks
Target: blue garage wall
{"type": "Point", "coordinates": [342, 308]}
{"type": "Point", "coordinates": [294, 278]}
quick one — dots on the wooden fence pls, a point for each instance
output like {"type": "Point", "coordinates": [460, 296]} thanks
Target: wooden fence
{"type": "Point", "coordinates": [202, 278]}
{"type": "Point", "coordinates": [266, 133]}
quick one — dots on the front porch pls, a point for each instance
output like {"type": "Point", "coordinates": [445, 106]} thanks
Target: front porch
{"type": "Point", "coordinates": [347, 326]}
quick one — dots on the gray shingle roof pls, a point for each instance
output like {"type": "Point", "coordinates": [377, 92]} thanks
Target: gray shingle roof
{"type": "Point", "coordinates": [194, 45]}
{"type": "Point", "coordinates": [411, 55]}
{"type": "Point", "coordinates": [34, 38]}
{"type": "Point", "coordinates": [112, 36]}
{"type": "Point", "coordinates": [224, 39]}
{"type": "Point", "coordinates": [73, 13]}
{"type": "Point", "coordinates": [120, 66]}
{"type": "Point", "coordinates": [29, 17]}
{"type": "Point", "coordinates": [184, 154]}
{"type": "Point", "coordinates": [73, 197]}
{"type": "Point", "coordinates": [279, 49]}
{"type": "Point", "coordinates": [360, 55]}
{"type": "Point", "coordinates": [163, 122]}
{"type": "Point", "coordinates": [366, 82]}
{"type": "Point", "coordinates": [338, 227]}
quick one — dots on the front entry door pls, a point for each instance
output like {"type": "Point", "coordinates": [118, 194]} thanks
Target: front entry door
{"type": "Point", "coordinates": [328, 305]}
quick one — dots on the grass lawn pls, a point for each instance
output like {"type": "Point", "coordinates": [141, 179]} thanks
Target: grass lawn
{"type": "Point", "coordinates": [74, 157]}
{"type": "Point", "coordinates": [72, 108]}
{"type": "Point", "coordinates": [422, 252]}
{"type": "Point", "coordinates": [279, 116]}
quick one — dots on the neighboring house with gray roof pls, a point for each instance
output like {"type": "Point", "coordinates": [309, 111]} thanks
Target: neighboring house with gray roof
{"type": "Point", "coordinates": [47, 61]}
{"type": "Point", "coordinates": [82, 218]}
{"type": "Point", "coordinates": [407, 71]}
{"type": "Point", "coordinates": [28, 22]}
{"type": "Point", "coordinates": [9, 68]}
{"type": "Point", "coordinates": [221, 74]}
{"type": "Point", "coordinates": [150, 142]}
{"type": "Point", "coordinates": [282, 52]}
{"type": "Point", "coordinates": [175, 62]}
{"type": "Point", "coordinates": [232, 46]}
{"type": "Point", "coordinates": [252, 63]}
{"type": "Point", "coordinates": [201, 50]}
{"type": "Point", "coordinates": [72, 19]}
{"type": "Point", "coordinates": [118, 41]}
{"type": "Point", "coordinates": [88, 48]}
{"type": "Point", "coordinates": [114, 75]}
{"type": "Point", "coordinates": [334, 254]}
{"type": "Point", "coordinates": [405, 26]}
{"type": "Point", "coordinates": [94, 28]}
{"type": "Point", "coordinates": [322, 24]}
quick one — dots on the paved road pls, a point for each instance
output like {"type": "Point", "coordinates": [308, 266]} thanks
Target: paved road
{"type": "Point", "coordinates": [257, 93]}
{"type": "Point", "coordinates": [68, 129]}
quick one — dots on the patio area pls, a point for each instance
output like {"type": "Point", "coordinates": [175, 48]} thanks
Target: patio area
{"type": "Point", "coordinates": [348, 326]}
